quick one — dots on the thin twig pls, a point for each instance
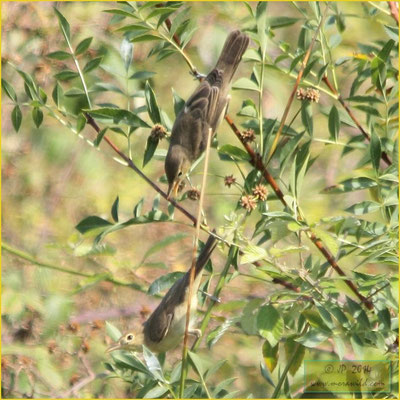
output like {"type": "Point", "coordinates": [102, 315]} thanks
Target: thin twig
{"type": "Point", "coordinates": [325, 79]}
{"type": "Point", "coordinates": [192, 267]}
{"type": "Point", "coordinates": [21, 254]}
{"type": "Point", "coordinates": [296, 85]}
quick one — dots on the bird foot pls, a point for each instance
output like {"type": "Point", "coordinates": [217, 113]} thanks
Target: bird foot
{"type": "Point", "coordinates": [195, 332]}
{"type": "Point", "coordinates": [198, 75]}
{"type": "Point", "coordinates": [211, 296]}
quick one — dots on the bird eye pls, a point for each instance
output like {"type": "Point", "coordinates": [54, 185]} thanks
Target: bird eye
{"type": "Point", "coordinates": [180, 173]}
{"type": "Point", "coordinates": [129, 337]}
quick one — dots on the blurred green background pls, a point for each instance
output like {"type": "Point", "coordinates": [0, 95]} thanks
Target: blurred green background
{"type": "Point", "coordinates": [53, 334]}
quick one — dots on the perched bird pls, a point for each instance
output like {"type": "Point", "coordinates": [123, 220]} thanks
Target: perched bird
{"type": "Point", "coordinates": [203, 110]}
{"type": "Point", "coordinates": [165, 327]}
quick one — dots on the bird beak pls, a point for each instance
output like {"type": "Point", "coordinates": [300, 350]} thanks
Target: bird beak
{"type": "Point", "coordinates": [115, 346]}
{"type": "Point", "coordinates": [173, 187]}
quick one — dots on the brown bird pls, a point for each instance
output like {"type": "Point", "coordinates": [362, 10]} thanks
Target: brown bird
{"type": "Point", "coordinates": [165, 327]}
{"type": "Point", "coordinates": [203, 110]}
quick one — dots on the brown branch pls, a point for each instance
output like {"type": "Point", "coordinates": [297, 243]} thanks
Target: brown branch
{"type": "Point", "coordinates": [394, 11]}
{"type": "Point", "coordinates": [384, 155]}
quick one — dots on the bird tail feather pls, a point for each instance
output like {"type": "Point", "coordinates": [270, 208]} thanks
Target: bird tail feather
{"type": "Point", "coordinates": [232, 52]}
{"type": "Point", "coordinates": [205, 254]}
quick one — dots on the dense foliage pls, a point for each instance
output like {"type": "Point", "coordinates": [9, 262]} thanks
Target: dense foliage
{"type": "Point", "coordinates": [305, 170]}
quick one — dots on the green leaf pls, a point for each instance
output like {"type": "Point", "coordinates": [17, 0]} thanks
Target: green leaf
{"type": "Point", "coordinates": [350, 185]}
{"type": "Point", "coordinates": [163, 243]}
{"type": "Point", "coordinates": [153, 364]}
{"type": "Point", "coordinates": [42, 96]}
{"type": "Point", "coordinates": [334, 123]}
{"type": "Point", "coordinates": [358, 346]}
{"type": "Point", "coordinates": [245, 84]}
{"type": "Point", "coordinates": [248, 109]}
{"type": "Point", "coordinates": [37, 116]}
{"type": "Point", "coordinates": [306, 117]}
{"type": "Point", "coordinates": [99, 137]}
{"type": "Point", "coordinates": [152, 106]}
{"type": "Point", "coordinates": [142, 75]}
{"type": "Point", "coordinates": [179, 103]}
{"type": "Point", "coordinates": [59, 55]}
{"type": "Point", "coordinates": [385, 52]}
{"type": "Point", "coordinates": [151, 147]}
{"type": "Point", "coordinates": [57, 94]}
{"type": "Point", "coordinates": [92, 64]}
{"type": "Point", "coordinates": [90, 223]}
{"type": "Point", "coordinates": [266, 374]}
{"type": "Point", "coordinates": [270, 354]}
{"type": "Point", "coordinates": [178, 21]}
{"type": "Point", "coordinates": [358, 313]}
{"type": "Point", "coordinates": [261, 20]}
{"type": "Point", "coordinates": [369, 110]}
{"type": "Point", "coordinates": [66, 75]}
{"type": "Point", "coordinates": [83, 46]}
{"type": "Point", "coordinates": [64, 26]}
{"type": "Point", "coordinates": [364, 207]}
{"type": "Point", "coordinates": [313, 338]}
{"type": "Point", "coordinates": [117, 11]}
{"type": "Point", "coordinates": [270, 324]}
{"type": "Point", "coordinates": [156, 392]}
{"type": "Point", "coordinates": [8, 90]}
{"type": "Point", "coordinates": [375, 150]}
{"type": "Point", "coordinates": [145, 38]}
{"type": "Point", "coordinates": [80, 123]}
{"type": "Point", "coordinates": [280, 22]}
{"type": "Point", "coordinates": [138, 208]}
{"type": "Point", "coordinates": [290, 348]}
{"type": "Point", "coordinates": [392, 32]}
{"type": "Point", "coordinates": [112, 331]}
{"type": "Point", "coordinates": [230, 152]}
{"type": "Point", "coordinates": [114, 209]}
{"type": "Point", "coordinates": [164, 282]}
{"type": "Point", "coordinates": [16, 118]}
{"type": "Point", "coordinates": [364, 99]}
{"type": "Point", "coordinates": [117, 116]}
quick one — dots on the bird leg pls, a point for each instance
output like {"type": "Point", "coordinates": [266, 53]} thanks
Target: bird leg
{"type": "Point", "coordinates": [197, 75]}
{"type": "Point", "coordinates": [211, 296]}
{"type": "Point", "coordinates": [228, 99]}
{"type": "Point", "coordinates": [195, 332]}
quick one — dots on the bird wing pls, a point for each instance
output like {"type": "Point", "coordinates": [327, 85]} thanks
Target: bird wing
{"type": "Point", "coordinates": [157, 326]}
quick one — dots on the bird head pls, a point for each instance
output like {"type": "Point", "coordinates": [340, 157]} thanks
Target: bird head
{"type": "Point", "coordinates": [129, 341]}
{"type": "Point", "coordinates": [177, 164]}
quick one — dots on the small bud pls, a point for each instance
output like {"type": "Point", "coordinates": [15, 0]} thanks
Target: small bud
{"type": "Point", "coordinates": [97, 324]}
{"type": "Point", "coordinates": [229, 180]}
{"type": "Point", "coordinates": [193, 194]}
{"type": "Point", "coordinates": [248, 202]}
{"type": "Point", "coordinates": [158, 132]}
{"type": "Point", "coordinates": [85, 346]}
{"type": "Point", "coordinates": [74, 379]}
{"type": "Point", "coordinates": [248, 136]}
{"type": "Point", "coordinates": [73, 327]}
{"type": "Point", "coordinates": [260, 192]}
{"type": "Point", "coordinates": [51, 346]}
